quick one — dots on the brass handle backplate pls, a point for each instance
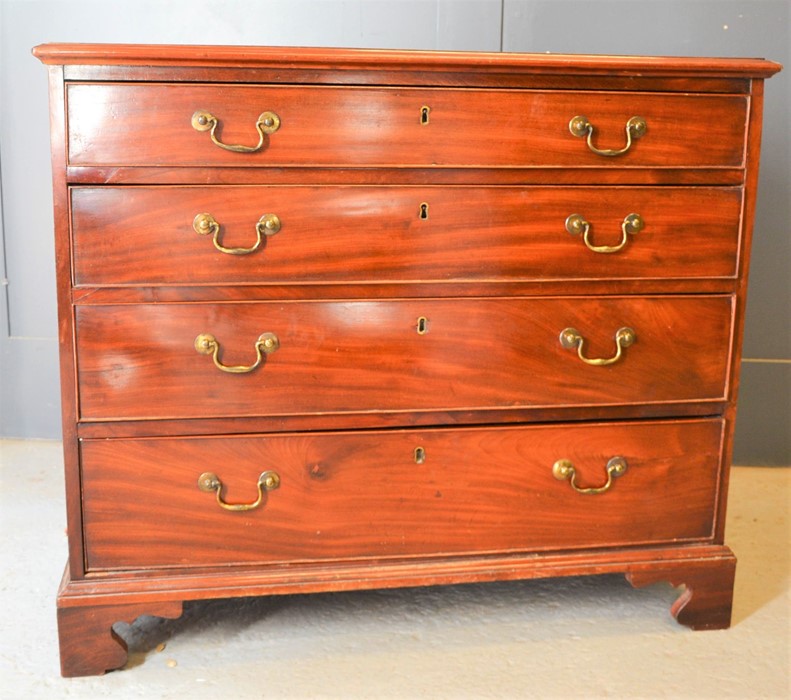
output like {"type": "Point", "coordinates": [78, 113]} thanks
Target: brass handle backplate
{"type": "Point", "coordinates": [205, 224]}
{"type": "Point", "coordinates": [267, 481]}
{"type": "Point", "coordinates": [581, 127]}
{"type": "Point", "coordinates": [576, 225]}
{"type": "Point", "coordinates": [267, 123]}
{"type": "Point", "coordinates": [564, 469]}
{"type": "Point", "coordinates": [207, 344]}
{"type": "Point", "coordinates": [570, 339]}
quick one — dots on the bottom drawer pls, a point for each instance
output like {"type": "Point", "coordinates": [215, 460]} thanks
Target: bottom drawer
{"type": "Point", "coordinates": [397, 493]}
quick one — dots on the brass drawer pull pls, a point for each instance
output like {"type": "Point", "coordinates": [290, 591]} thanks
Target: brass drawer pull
{"type": "Point", "coordinates": [635, 128]}
{"type": "Point", "coordinates": [205, 224]}
{"type": "Point", "coordinates": [267, 123]}
{"type": "Point", "coordinates": [570, 338]}
{"type": "Point", "coordinates": [563, 469]}
{"type": "Point", "coordinates": [206, 344]}
{"type": "Point", "coordinates": [268, 481]}
{"type": "Point", "coordinates": [576, 225]}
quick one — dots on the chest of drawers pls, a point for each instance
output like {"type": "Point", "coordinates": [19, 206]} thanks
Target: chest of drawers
{"type": "Point", "coordinates": [334, 320]}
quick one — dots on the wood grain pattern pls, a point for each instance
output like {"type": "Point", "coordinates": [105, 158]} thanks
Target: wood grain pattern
{"type": "Point", "coordinates": [488, 392]}
{"type": "Point", "coordinates": [417, 77]}
{"type": "Point", "coordinates": [349, 175]}
{"type": "Point", "coordinates": [351, 495]}
{"type": "Point", "coordinates": [753, 152]}
{"type": "Point", "coordinates": [63, 262]}
{"type": "Point", "coordinates": [128, 236]}
{"type": "Point", "coordinates": [707, 598]}
{"type": "Point", "coordinates": [380, 420]}
{"type": "Point", "coordinates": [149, 124]}
{"type": "Point", "coordinates": [155, 294]}
{"type": "Point", "coordinates": [88, 644]}
{"type": "Point", "coordinates": [338, 357]}
{"type": "Point", "coordinates": [311, 577]}
{"type": "Point", "coordinates": [336, 61]}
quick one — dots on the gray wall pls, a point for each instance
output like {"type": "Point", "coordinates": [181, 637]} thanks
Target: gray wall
{"type": "Point", "coordinates": [29, 393]}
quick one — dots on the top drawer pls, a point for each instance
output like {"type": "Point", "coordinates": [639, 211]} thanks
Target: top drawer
{"type": "Point", "coordinates": [129, 124]}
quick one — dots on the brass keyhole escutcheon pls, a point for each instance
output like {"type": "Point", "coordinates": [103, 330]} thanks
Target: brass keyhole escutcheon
{"type": "Point", "coordinates": [423, 210]}
{"type": "Point", "coordinates": [420, 455]}
{"type": "Point", "coordinates": [422, 325]}
{"type": "Point", "coordinates": [424, 112]}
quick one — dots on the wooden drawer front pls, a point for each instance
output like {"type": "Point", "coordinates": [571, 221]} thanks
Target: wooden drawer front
{"type": "Point", "coordinates": [145, 235]}
{"type": "Point", "coordinates": [337, 357]}
{"type": "Point", "coordinates": [150, 124]}
{"type": "Point", "coordinates": [363, 495]}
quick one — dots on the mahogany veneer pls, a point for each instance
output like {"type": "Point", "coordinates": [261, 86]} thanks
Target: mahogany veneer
{"type": "Point", "coordinates": [361, 495]}
{"type": "Point", "coordinates": [378, 127]}
{"type": "Point", "coordinates": [122, 235]}
{"type": "Point", "coordinates": [138, 360]}
{"type": "Point", "coordinates": [392, 271]}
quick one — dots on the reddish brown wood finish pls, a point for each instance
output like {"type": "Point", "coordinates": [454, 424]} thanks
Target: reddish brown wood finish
{"type": "Point", "coordinates": [88, 644]}
{"type": "Point", "coordinates": [748, 220]}
{"type": "Point", "coordinates": [362, 495]}
{"type": "Point", "coordinates": [312, 577]}
{"type": "Point", "coordinates": [103, 296]}
{"type": "Point", "coordinates": [168, 590]}
{"type": "Point", "coordinates": [63, 262]}
{"type": "Point", "coordinates": [130, 124]}
{"type": "Point", "coordinates": [271, 75]}
{"type": "Point", "coordinates": [144, 236]}
{"type": "Point", "coordinates": [517, 175]}
{"type": "Point", "coordinates": [707, 599]}
{"type": "Point", "coordinates": [334, 62]}
{"type": "Point", "coordinates": [139, 361]}
{"type": "Point", "coordinates": [343, 284]}
{"type": "Point", "coordinates": [166, 427]}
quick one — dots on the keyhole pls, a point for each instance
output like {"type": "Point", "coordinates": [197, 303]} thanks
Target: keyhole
{"type": "Point", "coordinates": [422, 325]}
{"type": "Point", "coordinates": [424, 114]}
{"type": "Point", "coordinates": [424, 210]}
{"type": "Point", "coordinates": [420, 455]}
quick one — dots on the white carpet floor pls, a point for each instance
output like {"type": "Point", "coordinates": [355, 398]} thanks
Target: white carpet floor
{"type": "Point", "coordinates": [566, 638]}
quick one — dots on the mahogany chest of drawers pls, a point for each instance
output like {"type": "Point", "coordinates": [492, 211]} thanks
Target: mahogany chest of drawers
{"type": "Point", "coordinates": [337, 319]}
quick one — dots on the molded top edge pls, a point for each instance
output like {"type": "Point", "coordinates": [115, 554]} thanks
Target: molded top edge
{"type": "Point", "coordinates": [369, 59]}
